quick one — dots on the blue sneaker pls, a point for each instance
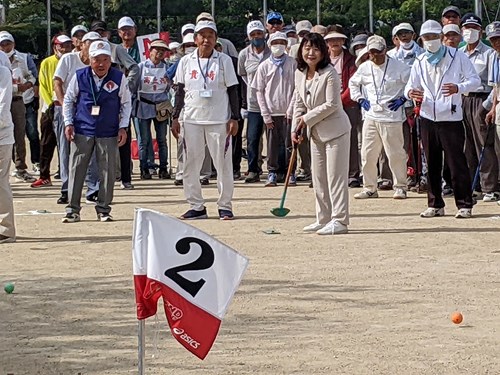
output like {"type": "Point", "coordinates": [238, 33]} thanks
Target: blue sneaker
{"type": "Point", "coordinates": [271, 179]}
{"type": "Point", "coordinates": [226, 215]}
{"type": "Point", "coordinates": [194, 215]}
{"type": "Point", "coordinates": [292, 181]}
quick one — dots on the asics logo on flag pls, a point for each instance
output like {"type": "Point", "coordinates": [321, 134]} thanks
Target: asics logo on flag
{"type": "Point", "coordinates": [175, 312]}
{"type": "Point", "coordinates": [185, 337]}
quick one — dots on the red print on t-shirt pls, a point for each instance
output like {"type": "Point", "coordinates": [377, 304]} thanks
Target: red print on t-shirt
{"type": "Point", "coordinates": [211, 75]}
{"type": "Point", "coordinates": [194, 74]}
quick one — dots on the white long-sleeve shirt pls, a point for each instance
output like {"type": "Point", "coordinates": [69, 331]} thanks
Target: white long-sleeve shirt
{"type": "Point", "coordinates": [72, 94]}
{"type": "Point", "coordinates": [455, 67]}
{"type": "Point", "coordinates": [6, 124]}
{"type": "Point", "coordinates": [380, 84]}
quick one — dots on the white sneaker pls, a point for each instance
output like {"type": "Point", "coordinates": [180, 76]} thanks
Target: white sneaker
{"type": "Point", "coordinates": [313, 227]}
{"type": "Point", "coordinates": [491, 197]}
{"type": "Point", "coordinates": [333, 227]}
{"type": "Point", "coordinates": [365, 194]}
{"type": "Point", "coordinates": [464, 213]}
{"type": "Point", "coordinates": [399, 194]}
{"type": "Point", "coordinates": [432, 212]}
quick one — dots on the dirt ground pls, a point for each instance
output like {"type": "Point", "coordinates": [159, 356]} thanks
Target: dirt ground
{"type": "Point", "coordinates": [375, 301]}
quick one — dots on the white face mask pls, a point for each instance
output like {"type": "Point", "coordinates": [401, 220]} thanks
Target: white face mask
{"type": "Point", "coordinates": [291, 42]}
{"type": "Point", "coordinates": [407, 45]}
{"type": "Point", "coordinates": [471, 36]}
{"type": "Point", "coordinates": [189, 50]}
{"type": "Point", "coordinates": [432, 45]}
{"type": "Point", "coordinates": [278, 50]}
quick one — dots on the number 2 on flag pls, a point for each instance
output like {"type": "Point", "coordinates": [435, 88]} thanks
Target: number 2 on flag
{"type": "Point", "coordinates": [204, 261]}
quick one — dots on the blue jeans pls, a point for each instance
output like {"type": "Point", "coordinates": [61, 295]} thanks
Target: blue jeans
{"type": "Point", "coordinates": [149, 146]}
{"type": "Point", "coordinates": [32, 132]}
{"type": "Point", "coordinates": [255, 124]}
{"type": "Point", "coordinates": [146, 138]}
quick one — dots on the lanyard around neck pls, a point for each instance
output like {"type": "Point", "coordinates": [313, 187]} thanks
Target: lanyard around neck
{"type": "Point", "coordinates": [92, 83]}
{"type": "Point", "coordinates": [380, 89]}
{"type": "Point", "coordinates": [204, 75]}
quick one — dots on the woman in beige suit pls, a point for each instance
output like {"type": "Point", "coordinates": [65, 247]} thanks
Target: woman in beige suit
{"type": "Point", "coordinates": [319, 107]}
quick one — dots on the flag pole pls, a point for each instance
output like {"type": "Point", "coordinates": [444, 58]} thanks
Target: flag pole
{"type": "Point", "coordinates": [49, 31]}
{"type": "Point", "coordinates": [141, 335]}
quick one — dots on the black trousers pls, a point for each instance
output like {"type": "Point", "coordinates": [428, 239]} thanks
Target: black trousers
{"type": "Point", "coordinates": [48, 142]}
{"type": "Point", "coordinates": [126, 159]}
{"type": "Point", "coordinates": [447, 136]}
{"type": "Point", "coordinates": [237, 143]}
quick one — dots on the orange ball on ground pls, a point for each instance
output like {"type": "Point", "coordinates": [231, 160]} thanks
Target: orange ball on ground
{"type": "Point", "coordinates": [457, 317]}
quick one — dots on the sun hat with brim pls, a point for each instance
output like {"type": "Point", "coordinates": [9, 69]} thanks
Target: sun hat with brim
{"type": "Point", "coordinates": [334, 35]}
{"type": "Point", "coordinates": [158, 43]}
{"type": "Point", "coordinates": [61, 39]}
{"type": "Point", "coordinates": [203, 25]}
{"type": "Point", "coordinates": [174, 45]}
{"type": "Point", "coordinates": [362, 53]}
{"type": "Point", "coordinates": [304, 25]}
{"type": "Point", "coordinates": [451, 28]}
{"type": "Point", "coordinates": [376, 42]}
{"type": "Point", "coordinates": [91, 35]}
{"type": "Point", "coordinates": [78, 28]}
{"type": "Point", "coordinates": [276, 36]}
{"type": "Point", "coordinates": [493, 30]}
{"type": "Point", "coordinates": [6, 36]}
{"type": "Point", "coordinates": [99, 47]}
{"type": "Point", "coordinates": [358, 40]}
{"type": "Point", "coordinates": [431, 27]}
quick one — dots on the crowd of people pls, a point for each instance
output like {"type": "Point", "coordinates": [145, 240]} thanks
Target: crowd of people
{"type": "Point", "coordinates": [420, 116]}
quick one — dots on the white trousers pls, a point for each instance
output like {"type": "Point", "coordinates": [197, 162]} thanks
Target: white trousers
{"type": "Point", "coordinates": [7, 226]}
{"type": "Point", "coordinates": [388, 135]}
{"type": "Point", "coordinates": [330, 176]}
{"type": "Point", "coordinates": [219, 145]}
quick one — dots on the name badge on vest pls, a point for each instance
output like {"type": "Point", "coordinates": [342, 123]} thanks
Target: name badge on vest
{"type": "Point", "coordinates": [96, 109]}
{"type": "Point", "coordinates": [205, 93]}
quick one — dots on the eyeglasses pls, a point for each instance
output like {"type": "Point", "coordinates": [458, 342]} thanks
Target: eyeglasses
{"type": "Point", "coordinates": [275, 22]}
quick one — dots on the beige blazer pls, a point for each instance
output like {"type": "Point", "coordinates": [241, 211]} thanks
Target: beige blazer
{"type": "Point", "coordinates": [320, 100]}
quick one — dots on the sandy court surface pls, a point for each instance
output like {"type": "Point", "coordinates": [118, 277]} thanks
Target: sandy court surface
{"type": "Point", "coordinates": [375, 301]}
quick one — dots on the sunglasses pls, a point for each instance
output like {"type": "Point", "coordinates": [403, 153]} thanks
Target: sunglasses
{"type": "Point", "coordinates": [275, 22]}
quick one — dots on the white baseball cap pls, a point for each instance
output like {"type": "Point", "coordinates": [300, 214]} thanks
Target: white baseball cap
{"type": "Point", "coordinates": [255, 25]}
{"type": "Point", "coordinates": [188, 38]}
{"type": "Point", "coordinates": [187, 26]}
{"type": "Point", "coordinates": [276, 36]}
{"type": "Point", "coordinates": [402, 26]}
{"type": "Point", "coordinates": [174, 45]}
{"type": "Point", "coordinates": [451, 27]}
{"type": "Point", "coordinates": [61, 39]}
{"type": "Point", "coordinates": [431, 27]}
{"type": "Point", "coordinates": [376, 42]}
{"type": "Point", "coordinates": [5, 35]}
{"type": "Point", "coordinates": [205, 25]}
{"type": "Point", "coordinates": [99, 47]}
{"type": "Point", "coordinates": [91, 35]}
{"type": "Point", "coordinates": [126, 22]}
{"type": "Point", "coordinates": [204, 16]}
{"type": "Point", "coordinates": [78, 28]}
{"type": "Point", "coordinates": [304, 25]}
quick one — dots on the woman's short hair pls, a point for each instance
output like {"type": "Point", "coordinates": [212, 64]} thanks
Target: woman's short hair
{"type": "Point", "coordinates": [315, 40]}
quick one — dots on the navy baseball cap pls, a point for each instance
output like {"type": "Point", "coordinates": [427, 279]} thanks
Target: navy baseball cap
{"type": "Point", "coordinates": [471, 19]}
{"type": "Point", "coordinates": [274, 16]}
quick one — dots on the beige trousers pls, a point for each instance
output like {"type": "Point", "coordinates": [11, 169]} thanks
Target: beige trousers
{"type": "Point", "coordinates": [7, 226]}
{"type": "Point", "coordinates": [330, 176]}
{"type": "Point", "coordinates": [389, 136]}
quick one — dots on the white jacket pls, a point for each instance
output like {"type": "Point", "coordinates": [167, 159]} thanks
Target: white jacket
{"type": "Point", "coordinates": [455, 67]}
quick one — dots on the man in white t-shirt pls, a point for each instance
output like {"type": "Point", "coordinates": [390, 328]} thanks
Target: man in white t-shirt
{"type": "Point", "coordinates": [208, 95]}
{"type": "Point", "coordinates": [66, 69]}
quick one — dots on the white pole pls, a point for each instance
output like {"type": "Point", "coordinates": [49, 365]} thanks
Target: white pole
{"type": "Point", "coordinates": [478, 8]}
{"type": "Point", "coordinates": [424, 16]}
{"type": "Point", "coordinates": [370, 10]}
{"type": "Point", "coordinates": [158, 14]}
{"type": "Point", "coordinates": [103, 13]}
{"type": "Point", "coordinates": [213, 9]}
{"type": "Point", "coordinates": [318, 12]}
{"type": "Point", "coordinates": [49, 32]}
{"type": "Point", "coordinates": [264, 8]}
{"type": "Point", "coordinates": [141, 334]}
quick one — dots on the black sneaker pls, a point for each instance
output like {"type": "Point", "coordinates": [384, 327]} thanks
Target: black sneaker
{"type": "Point", "coordinates": [204, 181]}
{"type": "Point", "coordinates": [104, 217]}
{"type": "Point", "coordinates": [57, 176]}
{"type": "Point", "coordinates": [92, 198]}
{"type": "Point", "coordinates": [178, 182]}
{"type": "Point", "coordinates": [146, 174]}
{"type": "Point", "coordinates": [354, 184]}
{"type": "Point", "coordinates": [236, 175]}
{"type": "Point", "coordinates": [194, 215]}
{"type": "Point", "coordinates": [252, 177]}
{"type": "Point", "coordinates": [163, 174]}
{"type": "Point", "coordinates": [304, 176]}
{"type": "Point", "coordinates": [281, 178]}
{"type": "Point", "coordinates": [71, 218]}
{"type": "Point", "coordinates": [63, 199]}
{"type": "Point", "coordinates": [226, 215]}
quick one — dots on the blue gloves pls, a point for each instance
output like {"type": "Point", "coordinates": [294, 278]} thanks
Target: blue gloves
{"type": "Point", "coordinates": [396, 103]}
{"type": "Point", "coordinates": [365, 104]}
